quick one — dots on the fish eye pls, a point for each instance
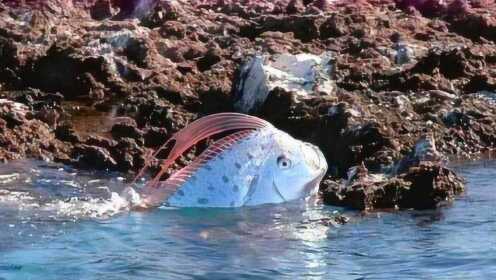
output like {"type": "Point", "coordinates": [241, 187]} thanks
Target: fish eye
{"type": "Point", "coordinates": [283, 162]}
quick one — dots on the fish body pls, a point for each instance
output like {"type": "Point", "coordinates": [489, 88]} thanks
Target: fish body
{"type": "Point", "coordinates": [249, 167]}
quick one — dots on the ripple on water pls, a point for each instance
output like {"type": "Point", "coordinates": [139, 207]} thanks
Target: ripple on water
{"type": "Point", "coordinates": [270, 242]}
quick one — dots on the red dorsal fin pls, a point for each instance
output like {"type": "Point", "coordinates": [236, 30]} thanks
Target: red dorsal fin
{"type": "Point", "coordinates": [155, 196]}
{"type": "Point", "coordinates": [199, 130]}
{"type": "Point", "coordinates": [178, 178]}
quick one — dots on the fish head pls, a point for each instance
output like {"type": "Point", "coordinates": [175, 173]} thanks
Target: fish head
{"type": "Point", "coordinates": [292, 170]}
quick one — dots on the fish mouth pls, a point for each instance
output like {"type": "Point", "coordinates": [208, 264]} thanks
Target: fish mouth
{"type": "Point", "coordinates": [322, 162]}
{"type": "Point", "coordinates": [313, 183]}
{"type": "Point", "coordinates": [276, 189]}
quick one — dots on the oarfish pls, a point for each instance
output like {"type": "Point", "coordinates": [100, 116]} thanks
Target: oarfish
{"type": "Point", "coordinates": [255, 164]}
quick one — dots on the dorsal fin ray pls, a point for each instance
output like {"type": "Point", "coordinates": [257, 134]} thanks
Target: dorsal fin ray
{"type": "Point", "coordinates": [199, 130]}
{"type": "Point", "coordinates": [220, 146]}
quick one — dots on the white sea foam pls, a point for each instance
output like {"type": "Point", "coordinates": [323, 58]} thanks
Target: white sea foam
{"type": "Point", "coordinates": [57, 194]}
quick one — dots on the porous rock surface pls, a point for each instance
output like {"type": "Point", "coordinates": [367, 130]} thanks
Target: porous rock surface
{"type": "Point", "coordinates": [102, 81]}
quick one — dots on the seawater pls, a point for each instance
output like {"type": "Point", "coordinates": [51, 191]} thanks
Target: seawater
{"type": "Point", "coordinates": [60, 223]}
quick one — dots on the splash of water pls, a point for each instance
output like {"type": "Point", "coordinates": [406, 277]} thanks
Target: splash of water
{"type": "Point", "coordinates": [45, 191]}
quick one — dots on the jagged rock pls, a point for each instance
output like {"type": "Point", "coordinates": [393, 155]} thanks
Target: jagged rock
{"type": "Point", "coordinates": [154, 13]}
{"type": "Point", "coordinates": [100, 142]}
{"type": "Point", "coordinates": [425, 186]}
{"type": "Point", "coordinates": [323, 5]}
{"type": "Point", "coordinates": [128, 154]}
{"type": "Point", "coordinates": [102, 9]}
{"type": "Point", "coordinates": [67, 133]}
{"type": "Point", "coordinates": [121, 130]}
{"type": "Point", "coordinates": [366, 196]}
{"type": "Point", "coordinates": [49, 115]}
{"type": "Point", "coordinates": [302, 74]}
{"type": "Point", "coordinates": [87, 156]}
{"type": "Point", "coordinates": [173, 28]}
{"type": "Point", "coordinates": [334, 26]}
{"type": "Point", "coordinates": [431, 186]}
{"type": "Point", "coordinates": [418, 181]}
{"type": "Point", "coordinates": [295, 6]}
{"type": "Point", "coordinates": [156, 136]}
{"type": "Point", "coordinates": [177, 61]}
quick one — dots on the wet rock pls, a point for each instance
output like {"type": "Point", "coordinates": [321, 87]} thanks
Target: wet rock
{"type": "Point", "coordinates": [12, 119]}
{"type": "Point", "coordinates": [295, 6]}
{"type": "Point", "coordinates": [60, 71]}
{"type": "Point", "coordinates": [303, 28]}
{"type": "Point", "coordinates": [431, 186]}
{"type": "Point", "coordinates": [475, 26]}
{"type": "Point", "coordinates": [424, 151]}
{"type": "Point", "coordinates": [49, 115]}
{"type": "Point", "coordinates": [334, 26]}
{"type": "Point", "coordinates": [87, 156]}
{"type": "Point", "coordinates": [366, 196]}
{"type": "Point", "coordinates": [13, 113]}
{"type": "Point", "coordinates": [419, 181]}
{"type": "Point", "coordinates": [173, 28]}
{"type": "Point", "coordinates": [100, 142]}
{"type": "Point", "coordinates": [429, 8]}
{"type": "Point", "coordinates": [128, 154]}
{"type": "Point", "coordinates": [426, 186]}
{"type": "Point", "coordinates": [102, 9]}
{"type": "Point", "coordinates": [156, 13]}
{"type": "Point", "coordinates": [212, 57]}
{"type": "Point", "coordinates": [67, 133]}
{"type": "Point", "coordinates": [345, 146]}
{"type": "Point", "coordinates": [456, 118]}
{"type": "Point", "coordinates": [323, 5]}
{"type": "Point", "coordinates": [126, 129]}
{"type": "Point", "coordinates": [156, 137]}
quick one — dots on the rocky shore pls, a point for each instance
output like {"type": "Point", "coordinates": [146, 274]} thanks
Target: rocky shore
{"type": "Point", "coordinates": [389, 90]}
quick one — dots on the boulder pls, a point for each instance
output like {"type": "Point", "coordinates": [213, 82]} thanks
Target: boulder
{"type": "Point", "coordinates": [305, 75]}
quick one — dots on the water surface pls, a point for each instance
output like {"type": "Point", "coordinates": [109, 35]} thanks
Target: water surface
{"type": "Point", "coordinates": [60, 224]}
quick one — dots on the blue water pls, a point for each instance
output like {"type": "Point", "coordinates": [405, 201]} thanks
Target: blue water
{"type": "Point", "coordinates": [45, 235]}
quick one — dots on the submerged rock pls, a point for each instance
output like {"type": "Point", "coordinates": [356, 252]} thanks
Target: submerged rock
{"type": "Point", "coordinates": [419, 181]}
{"type": "Point", "coordinates": [426, 186]}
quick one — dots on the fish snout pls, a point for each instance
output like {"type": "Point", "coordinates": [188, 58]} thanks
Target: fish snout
{"type": "Point", "coordinates": [314, 158]}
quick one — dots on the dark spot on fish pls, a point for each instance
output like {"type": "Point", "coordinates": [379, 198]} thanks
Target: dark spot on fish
{"type": "Point", "coordinates": [220, 156]}
{"type": "Point", "coordinates": [232, 203]}
{"type": "Point", "coordinates": [238, 166]}
{"type": "Point", "coordinates": [202, 201]}
{"type": "Point", "coordinates": [208, 167]}
{"type": "Point", "coordinates": [225, 179]}
{"type": "Point", "coordinates": [193, 178]}
{"type": "Point", "coordinates": [235, 188]}
{"type": "Point", "coordinates": [210, 188]}
{"type": "Point", "coordinates": [250, 156]}
{"type": "Point", "coordinates": [180, 192]}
